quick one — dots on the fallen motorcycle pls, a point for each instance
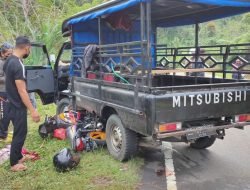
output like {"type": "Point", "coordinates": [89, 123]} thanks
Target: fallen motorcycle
{"type": "Point", "coordinates": [83, 129]}
{"type": "Point", "coordinates": [63, 120]}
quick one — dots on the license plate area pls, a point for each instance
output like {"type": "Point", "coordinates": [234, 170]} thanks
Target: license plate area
{"type": "Point", "coordinates": [201, 132]}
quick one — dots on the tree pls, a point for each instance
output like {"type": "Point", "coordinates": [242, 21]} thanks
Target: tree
{"type": "Point", "coordinates": [39, 19]}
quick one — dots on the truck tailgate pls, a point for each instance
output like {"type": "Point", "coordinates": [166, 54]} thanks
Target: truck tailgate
{"type": "Point", "coordinates": [204, 101]}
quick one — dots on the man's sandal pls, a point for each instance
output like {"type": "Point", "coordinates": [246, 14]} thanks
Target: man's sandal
{"type": "Point", "coordinates": [26, 158]}
{"type": "Point", "coordinates": [18, 168]}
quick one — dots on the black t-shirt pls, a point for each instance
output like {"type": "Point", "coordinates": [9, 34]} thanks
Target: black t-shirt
{"type": "Point", "coordinates": [14, 70]}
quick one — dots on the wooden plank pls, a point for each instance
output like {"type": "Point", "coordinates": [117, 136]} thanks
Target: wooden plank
{"type": "Point", "coordinates": [165, 71]}
{"type": "Point", "coordinates": [162, 72]}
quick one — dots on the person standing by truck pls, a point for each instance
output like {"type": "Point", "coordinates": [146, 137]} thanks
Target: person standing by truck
{"type": "Point", "coordinates": [237, 75]}
{"type": "Point", "coordinates": [5, 51]}
{"type": "Point", "coordinates": [196, 62]}
{"type": "Point", "coordinates": [19, 101]}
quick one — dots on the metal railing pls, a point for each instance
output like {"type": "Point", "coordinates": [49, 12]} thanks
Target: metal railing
{"type": "Point", "coordinates": [230, 60]}
{"type": "Point", "coordinates": [123, 58]}
{"type": "Point", "coordinates": [130, 60]}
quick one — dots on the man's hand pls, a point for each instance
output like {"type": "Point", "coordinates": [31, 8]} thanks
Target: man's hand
{"type": "Point", "coordinates": [35, 116]}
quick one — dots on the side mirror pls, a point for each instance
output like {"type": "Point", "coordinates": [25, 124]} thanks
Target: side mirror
{"type": "Point", "coordinates": [52, 58]}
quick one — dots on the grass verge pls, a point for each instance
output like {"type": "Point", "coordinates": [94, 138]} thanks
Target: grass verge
{"type": "Point", "coordinates": [97, 170]}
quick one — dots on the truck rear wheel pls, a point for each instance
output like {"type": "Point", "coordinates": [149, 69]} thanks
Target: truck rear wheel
{"type": "Point", "coordinates": [203, 142]}
{"type": "Point", "coordinates": [63, 105]}
{"type": "Point", "coordinates": [122, 143]}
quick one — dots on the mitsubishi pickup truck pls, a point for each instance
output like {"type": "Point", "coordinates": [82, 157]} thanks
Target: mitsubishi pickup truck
{"type": "Point", "coordinates": [116, 68]}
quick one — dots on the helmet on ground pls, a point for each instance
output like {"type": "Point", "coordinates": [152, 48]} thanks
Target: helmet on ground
{"type": "Point", "coordinates": [65, 160]}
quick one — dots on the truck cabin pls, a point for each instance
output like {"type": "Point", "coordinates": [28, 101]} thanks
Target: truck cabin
{"type": "Point", "coordinates": [117, 42]}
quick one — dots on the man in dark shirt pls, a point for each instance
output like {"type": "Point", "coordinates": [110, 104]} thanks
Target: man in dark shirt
{"type": "Point", "coordinates": [19, 101]}
{"type": "Point", "coordinates": [5, 51]}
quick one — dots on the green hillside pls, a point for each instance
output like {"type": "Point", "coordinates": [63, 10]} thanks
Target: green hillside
{"type": "Point", "coordinates": [42, 19]}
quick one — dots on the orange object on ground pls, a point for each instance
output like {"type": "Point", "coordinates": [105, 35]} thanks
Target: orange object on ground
{"type": "Point", "coordinates": [97, 135]}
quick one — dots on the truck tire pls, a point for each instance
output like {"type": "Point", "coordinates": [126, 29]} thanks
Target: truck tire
{"type": "Point", "coordinates": [203, 143]}
{"type": "Point", "coordinates": [62, 105]}
{"type": "Point", "coordinates": [122, 143]}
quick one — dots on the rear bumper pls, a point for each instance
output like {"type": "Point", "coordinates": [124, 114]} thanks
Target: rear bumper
{"type": "Point", "coordinates": [200, 129]}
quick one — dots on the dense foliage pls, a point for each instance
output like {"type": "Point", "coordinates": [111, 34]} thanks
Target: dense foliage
{"type": "Point", "coordinates": [232, 30]}
{"type": "Point", "coordinates": [39, 19]}
{"type": "Point", "coordinates": [42, 19]}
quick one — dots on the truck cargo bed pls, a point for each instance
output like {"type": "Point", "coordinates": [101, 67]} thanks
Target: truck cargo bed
{"type": "Point", "coordinates": [141, 108]}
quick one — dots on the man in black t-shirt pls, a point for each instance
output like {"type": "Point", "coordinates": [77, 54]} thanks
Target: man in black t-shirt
{"type": "Point", "coordinates": [19, 101]}
{"type": "Point", "coordinates": [5, 51]}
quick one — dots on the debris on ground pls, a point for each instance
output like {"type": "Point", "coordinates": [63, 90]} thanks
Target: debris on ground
{"type": "Point", "coordinates": [160, 171]}
{"type": "Point", "coordinates": [169, 172]}
{"type": "Point", "coordinates": [31, 154]}
{"type": "Point", "coordinates": [60, 134]}
{"type": "Point", "coordinates": [84, 130]}
{"type": "Point", "coordinates": [4, 154]}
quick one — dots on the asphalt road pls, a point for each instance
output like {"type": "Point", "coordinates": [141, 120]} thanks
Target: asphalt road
{"type": "Point", "coordinates": [224, 166]}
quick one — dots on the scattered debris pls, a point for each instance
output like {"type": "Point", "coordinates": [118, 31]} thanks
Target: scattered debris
{"type": "Point", "coordinates": [160, 171]}
{"type": "Point", "coordinates": [60, 134]}
{"type": "Point", "coordinates": [169, 172]}
{"type": "Point", "coordinates": [31, 154]}
{"type": "Point", "coordinates": [4, 154]}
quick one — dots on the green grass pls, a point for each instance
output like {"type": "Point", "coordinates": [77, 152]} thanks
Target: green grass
{"type": "Point", "coordinates": [97, 170]}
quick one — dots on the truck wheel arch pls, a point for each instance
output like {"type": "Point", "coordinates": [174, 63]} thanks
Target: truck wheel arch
{"type": "Point", "coordinates": [106, 112]}
{"type": "Point", "coordinates": [64, 102]}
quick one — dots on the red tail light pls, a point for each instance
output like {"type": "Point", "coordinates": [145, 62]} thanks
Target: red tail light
{"type": "Point", "coordinates": [168, 127]}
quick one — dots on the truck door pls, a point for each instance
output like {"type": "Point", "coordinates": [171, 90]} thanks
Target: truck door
{"type": "Point", "coordinates": [62, 67]}
{"type": "Point", "coordinates": [39, 74]}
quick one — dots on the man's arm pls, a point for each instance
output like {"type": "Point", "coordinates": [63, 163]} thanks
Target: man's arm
{"type": "Point", "coordinates": [21, 87]}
